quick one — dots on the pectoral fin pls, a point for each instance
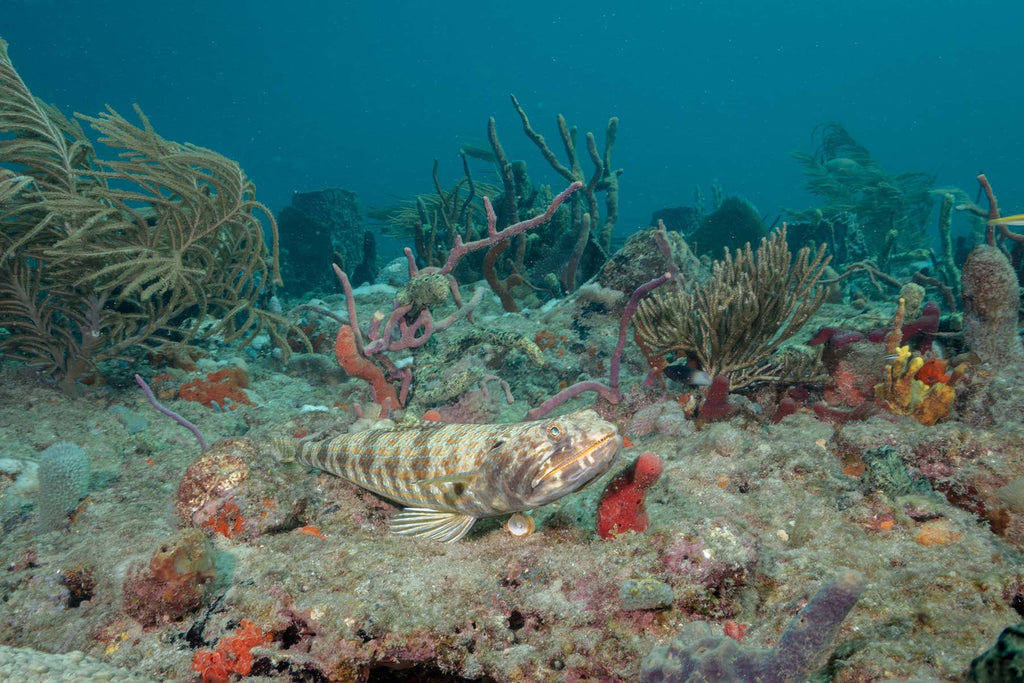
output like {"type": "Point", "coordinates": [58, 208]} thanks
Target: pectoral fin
{"type": "Point", "coordinates": [446, 527]}
{"type": "Point", "coordinates": [464, 478]}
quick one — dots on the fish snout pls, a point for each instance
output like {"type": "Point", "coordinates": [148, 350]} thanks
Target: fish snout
{"type": "Point", "coordinates": [570, 472]}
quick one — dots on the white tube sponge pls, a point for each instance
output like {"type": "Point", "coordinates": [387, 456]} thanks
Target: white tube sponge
{"type": "Point", "coordinates": [63, 481]}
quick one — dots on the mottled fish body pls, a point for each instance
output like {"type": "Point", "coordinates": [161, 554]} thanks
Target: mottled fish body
{"type": "Point", "coordinates": [450, 475]}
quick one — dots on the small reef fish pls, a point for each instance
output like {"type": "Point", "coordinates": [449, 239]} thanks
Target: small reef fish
{"type": "Point", "coordinates": [684, 373]}
{"type": "Point", "coordinates": [450, 475]}
{"type": "Point", "coordinates": [1016, 219]}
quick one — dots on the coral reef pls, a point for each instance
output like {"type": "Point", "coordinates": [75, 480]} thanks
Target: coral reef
{"type": "Point", "coordinates": [739, 525]}
{"type": "Point", "coordinates": [899, 474]}
{"type": "Point", "coordinates": [576, 241]}
{"type": "Point", "coordinates": [411, 325]}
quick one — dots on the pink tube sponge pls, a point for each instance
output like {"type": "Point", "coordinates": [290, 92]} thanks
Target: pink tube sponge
{"type": "Point", "coordinates": [622, 505]}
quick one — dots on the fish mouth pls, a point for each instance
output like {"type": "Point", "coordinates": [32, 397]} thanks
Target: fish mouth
{"type": "Point", "coordinates": [579, 456]}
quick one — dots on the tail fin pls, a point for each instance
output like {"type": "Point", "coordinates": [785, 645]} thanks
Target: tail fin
{"type": "Point", "coordinates": [286, 449]}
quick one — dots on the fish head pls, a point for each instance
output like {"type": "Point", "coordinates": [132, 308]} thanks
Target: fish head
{"type": "Point", "coordinates": [563, 455]}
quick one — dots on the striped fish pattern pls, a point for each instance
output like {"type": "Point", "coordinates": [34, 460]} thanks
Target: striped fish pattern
{"type": "Point", "coordinates": [450, 475]}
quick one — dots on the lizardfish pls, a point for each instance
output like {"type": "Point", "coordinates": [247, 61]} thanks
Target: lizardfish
{"type": "Point", "coordinates": [450, 475]}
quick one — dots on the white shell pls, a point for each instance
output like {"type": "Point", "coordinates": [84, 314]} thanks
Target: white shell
{"type": "Point", "coordinates": [520, 524]}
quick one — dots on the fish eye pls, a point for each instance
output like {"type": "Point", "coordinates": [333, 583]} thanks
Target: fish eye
{"type": "Point", "coordinates": [554, 432]}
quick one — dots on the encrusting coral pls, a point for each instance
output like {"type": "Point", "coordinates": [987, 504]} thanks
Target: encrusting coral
{"type": "Point", "coordinates": [224, 389]}
{"type": "Point", "coordinates": [233, 654]}
{"type": "Point", "coordinates": [171, 584]}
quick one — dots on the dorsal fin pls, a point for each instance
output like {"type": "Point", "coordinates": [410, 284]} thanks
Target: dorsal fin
{"type": "Point", "coordinates": [417, 425]}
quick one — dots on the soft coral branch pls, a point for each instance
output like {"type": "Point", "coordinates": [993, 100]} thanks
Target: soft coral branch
{"type": "Point", "coordinates": [460, 248]}
{"type": "Point", "coordinates": [993, 216]}
{"type": "Point", "coordinates": [611, 392]}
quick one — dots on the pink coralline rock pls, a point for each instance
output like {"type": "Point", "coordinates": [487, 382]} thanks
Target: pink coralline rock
{"type": "Point", "coordinates": [716, 561]}
{"type": "Point", "coordinates": [218, 493]}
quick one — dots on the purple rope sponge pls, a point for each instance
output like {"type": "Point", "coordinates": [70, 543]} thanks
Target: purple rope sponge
{"type": "Point", "coordinates": [171, 414]}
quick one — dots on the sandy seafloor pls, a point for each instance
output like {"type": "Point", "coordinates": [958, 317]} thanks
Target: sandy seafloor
{"type": "Point", "coordinates": [747, 522]}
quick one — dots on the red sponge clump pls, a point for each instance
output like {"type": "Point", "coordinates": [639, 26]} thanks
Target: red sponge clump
{"type": "Point", "coordinates": [622, 505]}
{"type": "Point", "coordinates": [171, 585]}
{"type": "Point", "coordinates": [716, 404]}
{"type": "Point", "coordinates": [232, 656]}
{"type": "Point", "coordinates": [218, 387]}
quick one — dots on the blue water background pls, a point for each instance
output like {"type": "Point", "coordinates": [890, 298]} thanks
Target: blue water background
{"type": "Point", "coordinates": [364, 95]}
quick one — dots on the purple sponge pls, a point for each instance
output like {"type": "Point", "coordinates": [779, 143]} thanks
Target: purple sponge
{"type": "Point", "coordinates": [698, 656]}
